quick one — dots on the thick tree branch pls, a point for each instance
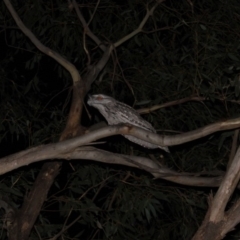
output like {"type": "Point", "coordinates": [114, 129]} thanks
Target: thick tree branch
{"type": "Point", "coordinates": [226, 189]}
{"type": "Point", "coordinates": [33, 202]}
{"type": "Point", "coordinates": [94, 70]}
{"type": "Point", "coordinates": [232, 218]}
{"type": "Point", "coordinates": [189, 179]}
{"type": "Point", "coordinates": [78, 88]}
{"type": "Point", "coordinates": [89, 153]}
{"type": "Point", "coordinates": [55, 150]}
{"type": "Point", "coordinates": [234, 147]}
{"type": "Point", "coordinates": [217, 222]}
{"type": "Point", "coordinates": [166, 140]}
{"type": "Point", "coordinates": [203, 132]}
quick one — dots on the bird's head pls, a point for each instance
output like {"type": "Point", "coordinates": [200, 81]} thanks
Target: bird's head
{"type": "Point", "coordinates": [99, 99]}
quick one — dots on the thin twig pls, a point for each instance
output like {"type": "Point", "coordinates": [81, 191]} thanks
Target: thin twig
{"type": "Point", "coordinates": [140, 27]}
{"type": "Point", "coordinates": [87, 29]}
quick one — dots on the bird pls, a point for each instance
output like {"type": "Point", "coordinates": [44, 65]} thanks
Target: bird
{"type": "Point", "coordinates": [116, 112]}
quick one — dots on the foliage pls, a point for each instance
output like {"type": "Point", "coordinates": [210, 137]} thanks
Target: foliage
{"type": "Point", "coordinates": [184, 51]}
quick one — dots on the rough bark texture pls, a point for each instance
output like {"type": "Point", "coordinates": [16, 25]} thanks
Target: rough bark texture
{"type": "Point", "coordinates": [33, 202]}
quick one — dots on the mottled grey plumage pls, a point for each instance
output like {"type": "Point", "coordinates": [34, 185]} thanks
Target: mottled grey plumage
{"type": "Point", "coordinates": [116, 112]}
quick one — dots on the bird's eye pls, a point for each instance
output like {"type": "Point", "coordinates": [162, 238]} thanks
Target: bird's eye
{"type": "Point", "coordinates": [99, 98]}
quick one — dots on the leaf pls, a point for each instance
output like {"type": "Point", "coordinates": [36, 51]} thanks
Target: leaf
{"type": "Point", "coordinates": [148, 215]}
{"type": "Point", "coordinates": [143, 102]}
{"type": "Point", "coordinates": [99, 225]}
{"type": "Point", "coordinates": [233, 57]}
{"type": "Point", "coordinates": [152, 209]}
{"type": "Point", "coordinates": [203, 27]}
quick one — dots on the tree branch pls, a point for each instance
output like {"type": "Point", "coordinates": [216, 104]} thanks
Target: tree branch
{"type": "Point", "coordinates": [65, 63]}
{"type": "Point", "coordinates": [33, 202]}
{"type": "Point", "coordinates": [55, 150]}
{"type": "Point", "coordinates": [94, 70]}
{"type": "Point", "coordinates": [217, 222]}
{"type": "Point", "coordinates": [89, 153]}
{"type": "Point", "coordinates": [86, 28]}
{"type": "Point", "coordinates": [189, 179]}
{"type": "Point", "coordinates": [169, 104]}
{"type": "Point", "coordinates": [140, 27]}
{"type": "Point", "coordinates": [226, 189]}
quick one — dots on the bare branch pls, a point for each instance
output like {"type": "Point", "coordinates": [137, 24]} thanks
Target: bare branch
{"type": "Point", "coordinates": [217, 222]}
{"type": "Point", "coordinates": [232, 218]}
{"type": "Point", "coordinates": [96, 69]}
{"type": "Point", "coordinates": [140, 27]}
{"type": "Point", "coordinates": [31, 206]}
{"type": "Point", "coordinates": [169, 104]}
{"type": "Point", "coordinates": [226, 189]}
{"type": "Point", "coordinates": [180, 101]}
{"type": "Point", "coordinates": [87, 30]}
{"type": "Point", "coordinates": [89, 153]}
{"type": "Point", "coordinates": [56, 150]}
{"type": "Point", "coordinates": [95, 9]}
{"type": "Point", "coordinates": [234, 147]}
{"type": "Point", "coordinates": [202, 132]}
{"type": "Point", "coordinates": [65, 63]}
{"type": "Point", "coordinates": [189, 179]}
